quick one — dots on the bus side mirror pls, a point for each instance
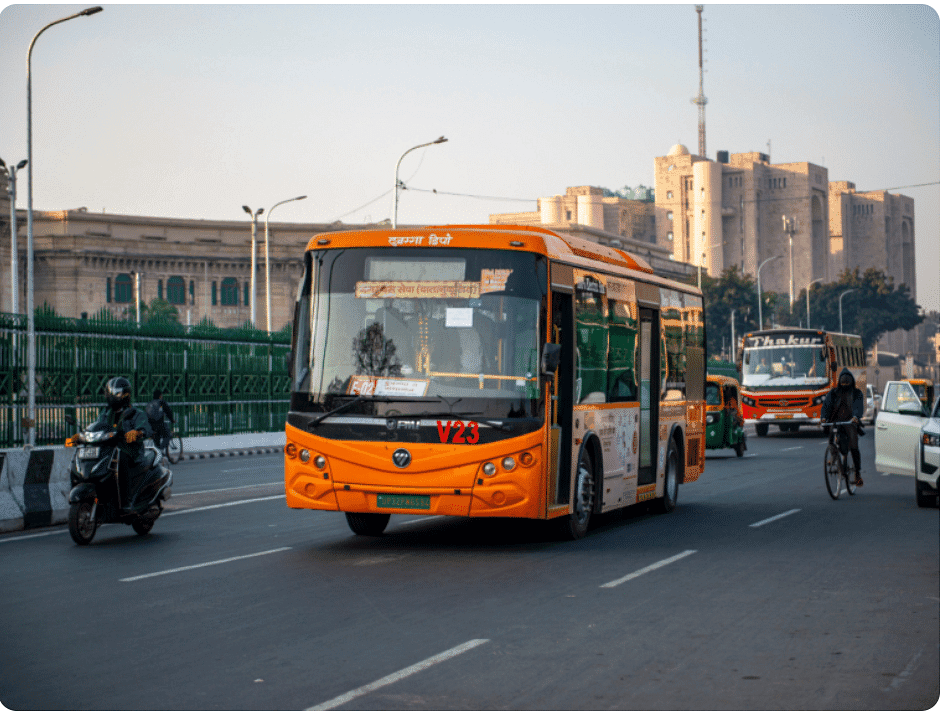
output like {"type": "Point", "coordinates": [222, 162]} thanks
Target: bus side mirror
{"type": "Point", "coordinates": [550, 359]}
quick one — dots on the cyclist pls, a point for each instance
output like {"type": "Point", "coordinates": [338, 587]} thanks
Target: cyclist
{"type": "Point", "coordinates": [156, 410]}
{"type": "Point", "coordinates": [119, 408]}
{"type": "Point", "coordinates": [846, 402]}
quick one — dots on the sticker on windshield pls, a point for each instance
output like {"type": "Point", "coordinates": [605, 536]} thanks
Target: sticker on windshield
{"type": "Point", "coordinates": [418, 290]}
{"type": "Point", "coordinates": [459, 317]}
{"type": "Point", "coordinates": [495, 280]}
{"type": "Point", "coordinates": [369, 386]}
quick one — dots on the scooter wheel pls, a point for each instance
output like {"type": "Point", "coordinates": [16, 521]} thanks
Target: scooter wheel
{"type": "Point", "coordinates": [81, 525]}
{"type": "Point", "coordinates": [143, 525]}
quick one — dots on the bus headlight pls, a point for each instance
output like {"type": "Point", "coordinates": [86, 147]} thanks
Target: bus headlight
{"type": "Point", "coordinates": [748, 401]}
{"type": "Point", "coordinates": [304, 455]}
{"type": "Point", "coordinates": [526, 459]}
{"type": "Point", "coordinates": [320, 462]}
{"type": "Point", "coordinates": [291, 450]}
{"type": "Point", "coordinates": [508, 463]}
{"type": "Point", "coordinates": [819, 399]}
{"type": "Point", "coordinates": [488, 469]}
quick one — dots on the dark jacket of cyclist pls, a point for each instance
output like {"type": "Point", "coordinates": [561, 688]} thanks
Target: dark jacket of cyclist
{"type": "Point", "coordinates": [846, 402]}
{"type": "Point", "coordinates": [156, 411]}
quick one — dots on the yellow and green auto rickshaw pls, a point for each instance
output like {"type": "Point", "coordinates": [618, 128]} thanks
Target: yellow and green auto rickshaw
{"type": "Point", "coordinates": [724, 420]}
{"type": "Point", "coordinates": [924, 389]}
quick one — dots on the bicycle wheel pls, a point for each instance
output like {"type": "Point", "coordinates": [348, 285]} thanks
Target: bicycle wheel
{"type": "Point", "coordinates": [832, 467]}
{"type": "Point", "coordinates": [175, 448]}
{"type": "Point", "coordinates": [850, 479]}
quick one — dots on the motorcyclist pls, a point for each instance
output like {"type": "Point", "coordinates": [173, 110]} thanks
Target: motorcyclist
{"type": "Point", "coordinates": [846, 402]}
{"type": "Point", "coordinates": [135, 427]}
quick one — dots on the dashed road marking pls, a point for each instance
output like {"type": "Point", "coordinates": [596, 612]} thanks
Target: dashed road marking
{"type": "Point", "coordinates": [903, 676]}
{"type": "Point", "coordinates": [784, 449]}
{"type": "Point", "coordinates": [397, 676]}
{"type": "Point", "coordinates": [230, 489]}
{"type": "Point", "coordinates": [774, 518]}
{"type": "Point", "coordinates": [647, 569]}
{"type": "Point", "coordinates": [224, 504]}
{"type": "Point", "coordinates": [200, 566]}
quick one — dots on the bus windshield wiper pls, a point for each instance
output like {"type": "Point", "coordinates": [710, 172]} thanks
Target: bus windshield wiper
{"type": "Point", "coordinates": [470, 416]}
{"type": "Point", "coordinates": [361, 399]}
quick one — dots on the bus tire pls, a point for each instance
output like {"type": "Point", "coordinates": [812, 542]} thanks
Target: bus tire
{"type": "Point", "coordinates": [367, 524]}
{"type": "Point", "coordinates": [576, 524]}
{"type": "Point", "coordinates": [666, 503]}
{"type": "Point", "coordinates": [761, 429]}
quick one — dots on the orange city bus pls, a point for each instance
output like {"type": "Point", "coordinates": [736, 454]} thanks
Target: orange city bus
{"type": "Point", "coordinates": [490, 371]}
{"type": "Point", "coordinates": [786, 374]}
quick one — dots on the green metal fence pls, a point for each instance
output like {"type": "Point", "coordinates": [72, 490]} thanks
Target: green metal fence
{"type": "Point", "coordinates": [217, 381]}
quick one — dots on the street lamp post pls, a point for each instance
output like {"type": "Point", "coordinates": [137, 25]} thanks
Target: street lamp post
{"type": "Point", "coordinates": [252, 266]}
{"type": "Point", "coordinates": [396, 176]}
{"type": "Point", "coordinates": [31, 322]}
{"type": "Point", "coordinates": [789, 227]}
{"type": "Point", "coordinates": [808, 300]}
{"type": "Point", "coordinates": [14, 259]}
{"type": "Point", "coordinates": [268, 291]}
{"type": "Point", "coordinates": [848, 291]}
{"type": "Point", "coordinates": [760, 305]}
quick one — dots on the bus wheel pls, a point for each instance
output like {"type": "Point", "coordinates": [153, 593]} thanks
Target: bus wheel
{"type": "Point", "coordinates": [761, 429]}
{"type": "Point", "coordinates": [367, 524]}
{"type": "Point", "coordinates": [576, 524]}
{"type": "Point", "coordinates": [667, 502]}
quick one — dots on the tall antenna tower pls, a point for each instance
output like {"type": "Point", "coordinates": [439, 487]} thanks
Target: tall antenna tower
{"type": "Point", "coordinates": [701, 99]}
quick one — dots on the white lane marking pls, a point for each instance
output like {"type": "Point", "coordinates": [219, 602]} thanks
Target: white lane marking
{"type": "Point", "coordinates": [33, 536]}
{"type": "Point", "coordinates": [200, 566]}
{"type": "Point", "coordinates": [784, 449]}
{"type": "Point", "coordinates": [249, 469]}
{"type": "Point", "coordinates": [647, 569]}
{"type": "Point", "coordinates": [774, 518]}
{"type": "Point", "coordinates": [229, 489]}
{"type": "Point", "coordinates": [422, 519]}
{"type": "Point", "coordinates": [397, 676]}
{"type": "Point", "coordinates": [753, 454]}
{"type": "Point", "coordinates": [903, 676]}
{"type": "Point", "coordinates": [224, 504]}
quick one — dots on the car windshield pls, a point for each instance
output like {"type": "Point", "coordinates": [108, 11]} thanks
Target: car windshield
{"type": "Point", "coordinates": [413, 326]}
{"type": "Point", "coordinates": [785, 367]}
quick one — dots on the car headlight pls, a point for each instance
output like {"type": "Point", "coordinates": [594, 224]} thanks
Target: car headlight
{"type": "Point", "coordinates": [931, 439]}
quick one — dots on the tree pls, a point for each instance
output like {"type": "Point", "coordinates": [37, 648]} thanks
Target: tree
{"type": "Point", "coordinates": [161, 311]}
{"type": "Point", "coordinates": [732, 291]}
{"type": "Point", "coordinates": [876, 307]}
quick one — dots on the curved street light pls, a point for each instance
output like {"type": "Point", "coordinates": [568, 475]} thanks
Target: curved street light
{"type": "Point", "coordinates": [396, 177]}
{"type": "Point", "coordinates": [848, 291]}
{"type": "Point", "coordinates": [268, 291]}
{"type": "Point", "coordinates": [808, 299]}
{"type": "Point", "coordinates": [31, 322]}
{"type": "Point", "coordinates": [760, 305]}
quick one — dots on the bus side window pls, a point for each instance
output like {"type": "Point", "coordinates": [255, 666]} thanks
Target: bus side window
{"type": "Point", "coordinates": [621, 375]}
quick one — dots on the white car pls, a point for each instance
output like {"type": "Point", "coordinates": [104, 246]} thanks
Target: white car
{"type": "Point", "coordinates": [928, 464]}
{"type": "Point", "coordinates": [898, 434]}
{"type": "Point", "coordinates": [871, 405]}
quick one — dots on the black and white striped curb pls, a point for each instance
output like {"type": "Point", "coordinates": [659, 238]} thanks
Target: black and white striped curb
{"type": "Point", "coordinates": [230, 453]}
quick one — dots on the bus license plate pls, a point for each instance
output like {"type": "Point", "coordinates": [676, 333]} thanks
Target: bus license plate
{"type": "Point", "coordinates": [786, 415]}
{"type": "Point", "coordinates": [88, 453]}
{"type": "Point", "coordinates": [403, 501]}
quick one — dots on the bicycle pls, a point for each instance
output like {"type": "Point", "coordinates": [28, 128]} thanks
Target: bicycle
{"type": "Point", "coordinates": [174, 447]}
{"type": "Point", "coordinates": [836, 465]}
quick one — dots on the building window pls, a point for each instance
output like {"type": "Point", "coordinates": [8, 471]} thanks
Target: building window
{"type": "Point", "coordinates": [124, 288]}
{"type": "Point", "coordinates": [107, 289]}
{"type": "Point", "coordinates": [669, 195]}
{"type": "Point", "coordinates": [175, 290]}
{"type": "Point", "coordinates": [160, 289]}
{"type": "Point", "coordinates": [213, 294]}
{"type": "Point", "coordinates": [229, 292]}
{"type": "Point", "coordinates": [670, 236]}
{"type": "Point", "coordinates": [669, 216]}
{"type": "Point", "coordinates": [245, 294]}
{"type": "Point", "coordinates": [568, 215]}
{"type": "Point", "coordinates": [192, 294]}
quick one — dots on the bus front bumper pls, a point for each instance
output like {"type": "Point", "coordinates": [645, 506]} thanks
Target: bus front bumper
{"type": "Point", "coordinates": [785, 419]}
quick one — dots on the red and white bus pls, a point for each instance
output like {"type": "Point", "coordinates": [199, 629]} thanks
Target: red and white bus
{"type": "Point", "coordinates": [786, 374]}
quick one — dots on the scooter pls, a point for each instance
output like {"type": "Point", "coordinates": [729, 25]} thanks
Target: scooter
{"type": "Point", "coordinates": [96, 497]}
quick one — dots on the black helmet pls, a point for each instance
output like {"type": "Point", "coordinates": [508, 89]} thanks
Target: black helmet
{"type": "Point", "coordinates": [118, 393]}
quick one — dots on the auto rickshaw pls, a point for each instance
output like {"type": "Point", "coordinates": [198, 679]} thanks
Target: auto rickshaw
{"type": "Point", "coordinates": [924, 389]}
{"type": "Point", "coordinates": [724, 420]}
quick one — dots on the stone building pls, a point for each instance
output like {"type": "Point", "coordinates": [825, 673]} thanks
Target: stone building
{"type": "Point", "coordinates": [87, 261]}
{"type": "Point", "coordinates": [598, 215]}
{"type": "Point", "coordinates": [731, 212]}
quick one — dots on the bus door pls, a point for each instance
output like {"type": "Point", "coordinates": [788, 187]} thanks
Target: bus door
{"type": "Point", "coordinates": [649, 387]}
{"type": "Point", "coordinates": [562, 401]}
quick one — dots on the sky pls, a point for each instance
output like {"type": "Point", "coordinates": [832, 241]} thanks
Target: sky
{"type": "Point", "coordinates": [193, 111]}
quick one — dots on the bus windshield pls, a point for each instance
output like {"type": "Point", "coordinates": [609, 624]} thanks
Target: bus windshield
{"type": "Point", "coordinates": [785, 367]}
{"type": "Point", "coordinates": [420, 331]}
